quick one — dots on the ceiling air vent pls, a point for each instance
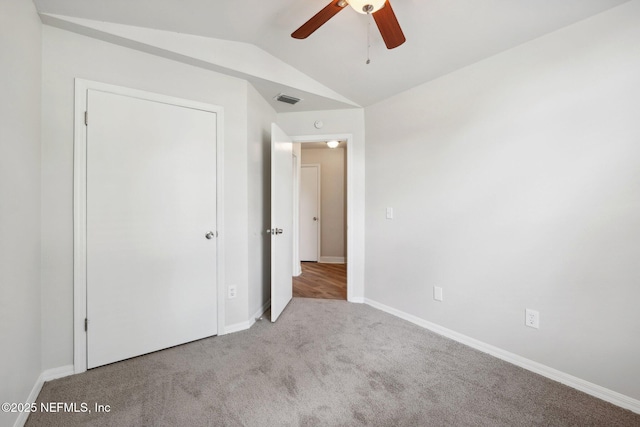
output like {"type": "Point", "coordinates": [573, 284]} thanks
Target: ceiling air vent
{"type": "Point", "coordinates": [288, 99]}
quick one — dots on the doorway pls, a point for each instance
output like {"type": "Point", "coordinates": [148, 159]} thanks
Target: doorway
{"type": "Point", "coordinates": [324, 281]}
{"type": "Point", "coordinates": [323, 231]}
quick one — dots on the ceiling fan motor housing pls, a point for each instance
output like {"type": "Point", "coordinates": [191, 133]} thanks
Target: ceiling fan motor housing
{"type": "Point", "coordinates": [366, 6]}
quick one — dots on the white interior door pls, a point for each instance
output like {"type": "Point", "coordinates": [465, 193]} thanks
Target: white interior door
{"type": "Point", "coordinates": [151, 200]}
{"type": "Point", "coordinates": [309, 212]}
{"type": "Point", "coordinates": [281, 221]}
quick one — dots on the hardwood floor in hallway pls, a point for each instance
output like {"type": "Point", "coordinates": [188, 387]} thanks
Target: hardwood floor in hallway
{"type": "Point", "coordinates": [326, 281]}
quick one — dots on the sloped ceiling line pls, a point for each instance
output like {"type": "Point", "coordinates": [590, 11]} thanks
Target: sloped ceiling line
{"type": "Point", "coordinates": [268, 74]}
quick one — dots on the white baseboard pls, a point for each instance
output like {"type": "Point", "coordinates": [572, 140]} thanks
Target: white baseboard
{"type": "Point", "coordinates": [357, 300]}
{"type": "Point", "coordinates": [595, 390]}
{"type": "Point", "coordinates": [242, 326]}
{"type": "Point", "coordinates": [297, 270]}
{"type": "Point", "coordinates": [48, 375]}
{"type": "Point", "coordinates": [262, 310]}
{"type": "Point", "coordinates": [55, 373]}
{"type": "Point", "coordinates": [236, 327]}
{"type": "Point", "coordinates": [331, 260]}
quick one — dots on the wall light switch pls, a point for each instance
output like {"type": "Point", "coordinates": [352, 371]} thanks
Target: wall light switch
{"type": "Point", "coordinates": [389, 213]}
{"type": "Point", "coordinates": [437, 293]}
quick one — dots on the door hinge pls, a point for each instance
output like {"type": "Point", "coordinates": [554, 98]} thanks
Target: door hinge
{"type": "Point", "coordinates": [86, 324]}
{"type": "Point", "coordinates": [86, 118]}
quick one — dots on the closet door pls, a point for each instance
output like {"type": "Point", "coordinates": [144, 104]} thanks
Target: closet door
{"type": "Point", "coordinates": [151, 217]}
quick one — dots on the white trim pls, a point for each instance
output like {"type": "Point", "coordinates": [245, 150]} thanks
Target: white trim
{"type": "Point", "coordinates": [297, 154]}
{"type": "Point", "coordinates": [243, 326]}
{"type": "Point", "coordinates": [55, 373]}
{"type": "Point", "coordinates": [220, 219]}
{"type": "Point", "coordinates": [348, 137]}
{"type": "Point", "coordinates": [297, 269]}
{"type": "Point", "coordinates": [331, 260]}
{"type": "Point", "coordinates": [595, 390]}
{"type": "Point", "coordinates": [295, 255]}
{"type": "Point", "coordinates": [237, 327]}
{"type": "Point", "coordinates": [48, 375]}
{"type": "Point", "coordinates": [79, 227]}
{"type": "Point", "coordinates": [262, 310]}
{"type": "Point", "coordinates": [80, 202]}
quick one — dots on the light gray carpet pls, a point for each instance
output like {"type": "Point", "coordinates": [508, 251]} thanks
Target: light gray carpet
{"type": "Point", "coordinates": [324, 363]}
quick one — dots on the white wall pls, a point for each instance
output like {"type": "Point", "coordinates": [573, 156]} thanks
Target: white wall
{"type": "Point", "coordinates": [66, 56]}
{"type": "Point", "coordinates": [332, 198]}
{"type": "Point", "coordinates": [260, 117]}
{"type": "Point", "coordinates": [516, 184]}
{"type": "Point", "coordinates": [341, 122]}
{"type": "Point", "coordinates": [20, 86]}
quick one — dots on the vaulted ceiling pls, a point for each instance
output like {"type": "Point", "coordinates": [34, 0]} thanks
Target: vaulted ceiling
{"type": "Point", "coordinates": [442, 36]}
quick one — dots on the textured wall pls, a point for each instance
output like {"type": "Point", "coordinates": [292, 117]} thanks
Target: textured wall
{"type": "Point", "coordinates": [20, 83]}
{"type": "Point", "coordinates": [516, 184]}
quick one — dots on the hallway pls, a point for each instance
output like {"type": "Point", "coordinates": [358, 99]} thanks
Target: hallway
{"type": "Point", "coordinates": [326, 281]}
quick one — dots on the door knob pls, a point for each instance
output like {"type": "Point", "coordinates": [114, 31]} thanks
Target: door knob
{"type": "Point", "coordinates": [279, 231]}
{"type": "Point", "coordinates": [210, 235]}
{"type": "Point", "coordinates": [315, 218]}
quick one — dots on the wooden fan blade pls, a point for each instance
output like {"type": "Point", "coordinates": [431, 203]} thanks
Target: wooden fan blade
{"type": "Point", "coordinates": [319, 19]}
{"type": "Point", "coordinates": [389, 27]}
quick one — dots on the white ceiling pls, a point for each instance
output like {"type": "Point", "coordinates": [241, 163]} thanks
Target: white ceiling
{"type": "Point", "coordinates": [442, 35]}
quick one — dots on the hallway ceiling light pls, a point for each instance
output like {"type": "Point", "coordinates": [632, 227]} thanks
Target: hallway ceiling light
{"type": "Point", "coordinates": [333, 144]}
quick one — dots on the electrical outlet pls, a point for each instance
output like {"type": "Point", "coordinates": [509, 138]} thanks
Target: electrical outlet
{"type": "Point", "coordinates": [232, 291]}
{"type": "Point", "coordinates": [437, 293]}
{"type": "Point", "coordinates": [532, 318]}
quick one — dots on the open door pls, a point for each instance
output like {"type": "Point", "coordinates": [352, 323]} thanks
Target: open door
{"type": "Point", "coordinates": [281, 230]}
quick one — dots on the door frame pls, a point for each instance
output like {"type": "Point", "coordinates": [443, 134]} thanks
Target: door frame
{"type": "Point", "coordinates": [296, 270]}
{"type": "Point", "coordinates": [318, 168]}
{"type": "Point", "coordinates": [80, 204]}
{"type": "Point", "coordinates": [348, 138]}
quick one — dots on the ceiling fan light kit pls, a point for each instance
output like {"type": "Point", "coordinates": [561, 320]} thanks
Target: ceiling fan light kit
{"type": "Point", "coordinates": [381, 11]}
{"type": "Point", "coordinates": [366, 6]}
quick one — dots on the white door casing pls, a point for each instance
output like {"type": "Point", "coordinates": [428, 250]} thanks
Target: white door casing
{"type": "Point", "coordinates": [310, 213]}
{"type": "Point", "coordinates": [355, 210]}
{"type": "Point", "coordinates": [144, 200]}
{"type": "Point", "coordinates": [281, 221]}
{"type": "Point", "coordinates": [295, 164]}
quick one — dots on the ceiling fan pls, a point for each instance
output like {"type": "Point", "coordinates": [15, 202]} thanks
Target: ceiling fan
{"type": "Point", "coordinates": [380, 9]}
